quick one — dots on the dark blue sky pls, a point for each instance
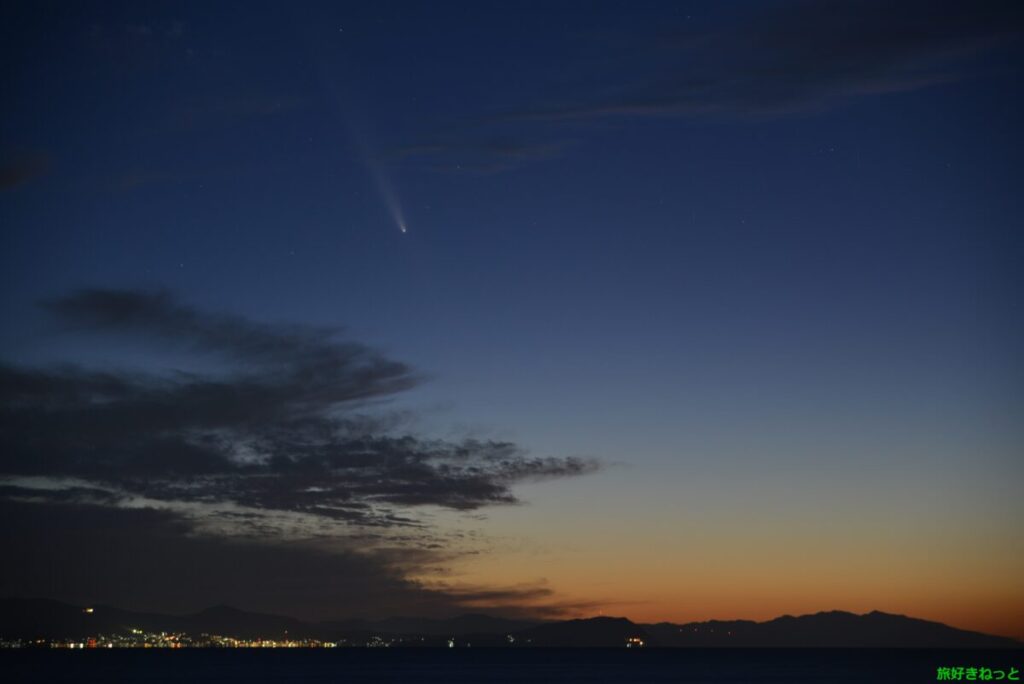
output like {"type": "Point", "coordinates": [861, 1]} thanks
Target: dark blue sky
{"type": "Point", "coordinates": [681, 239]}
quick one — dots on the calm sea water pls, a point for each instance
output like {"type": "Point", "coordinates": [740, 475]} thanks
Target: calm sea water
{"type": "Point", "coordinates": [499, 665]}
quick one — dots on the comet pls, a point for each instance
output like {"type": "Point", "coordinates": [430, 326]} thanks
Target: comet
{"type": "Point", "coordinates": [387, 193]}
{"type": "Point", "coordinates": [384, 186]}
{"type": "Point", "coordinates": [359, 135]}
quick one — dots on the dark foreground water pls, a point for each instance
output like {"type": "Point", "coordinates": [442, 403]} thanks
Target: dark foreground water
{"type": "Point", "coordinates": [502, 665]}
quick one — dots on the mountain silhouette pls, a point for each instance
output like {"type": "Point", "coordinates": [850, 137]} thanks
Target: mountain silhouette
{"type": "Point", "coordinates": [461, 625]}
{"type": "Point", "coordinates": [47, 619]}
{"type": "Point", "coordinates": [833, 629]}
{"type": "Point", "coordinates": [596, 632]}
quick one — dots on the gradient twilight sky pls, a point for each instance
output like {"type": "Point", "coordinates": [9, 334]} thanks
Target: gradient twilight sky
{"type": "Point", "coordinates": [668, 310]}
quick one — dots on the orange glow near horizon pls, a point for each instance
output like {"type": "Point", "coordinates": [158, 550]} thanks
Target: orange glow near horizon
{"type": "Point", "coordinates": [994, 610]}
{"type": "Point", "coordinates": [657, 564]}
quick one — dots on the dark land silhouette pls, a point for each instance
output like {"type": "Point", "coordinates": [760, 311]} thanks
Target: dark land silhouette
{"type": "Point", "coordinates": [47, 619]}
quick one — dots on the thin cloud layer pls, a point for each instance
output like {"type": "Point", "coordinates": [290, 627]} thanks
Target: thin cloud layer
{"type": "Point", "coordinates": [807, 56]}
{"type": "Point", "coordinates": [790, 58]}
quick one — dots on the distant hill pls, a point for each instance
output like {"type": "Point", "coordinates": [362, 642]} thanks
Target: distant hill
{"type": "Point", "coordinates": [835, 629]}
{"type": "Point", "coordinates": [46, 619]}
{"type": "Point", "coordinates": [42, 618]}
{"type": "Point", "coordinates": [470, 623]}
{"type": "Point", "coordinates": [239, 623]}
{"type": "Point", "coordinates": [590, 632]}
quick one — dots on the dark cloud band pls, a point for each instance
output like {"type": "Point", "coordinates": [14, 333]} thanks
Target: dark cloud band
{"type": "Point", "coordinates": [279, 427]}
